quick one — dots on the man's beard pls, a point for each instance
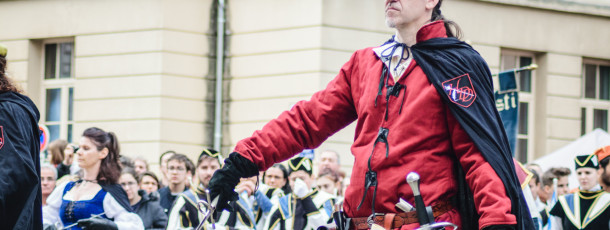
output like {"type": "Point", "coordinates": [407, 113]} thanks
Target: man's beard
{"type": "Point", "coordinates": [390, 23]}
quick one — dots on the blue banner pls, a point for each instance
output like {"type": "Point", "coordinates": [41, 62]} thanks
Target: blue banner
{"type": "Point", "coordinates": [507, 103]}
{"type": "Point", "coordinates": [309, 153]}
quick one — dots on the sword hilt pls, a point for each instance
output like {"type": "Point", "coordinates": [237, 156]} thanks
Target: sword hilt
{"type": "Point", "coordinates": [420, 207]}
{"type": "Point", "coordinates": [413, 180]}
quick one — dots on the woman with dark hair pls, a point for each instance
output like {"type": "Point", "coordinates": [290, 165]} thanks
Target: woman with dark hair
{"type": "Point", "coordinates": [95, 199]}
{"type": "Point", "coordinates": [275, 185]}
{"type": "Point", "coordinates": [277, 177]}
{"type": "Point", "coordinates": [146, 206]}
{"type": "Point", "coordinates": [20, 196]}
{"type": "Point", "coordinates": [149, 182]}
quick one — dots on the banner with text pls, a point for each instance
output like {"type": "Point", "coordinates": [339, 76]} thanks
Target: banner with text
{"type": "Point", "coordinates": [507, 103]}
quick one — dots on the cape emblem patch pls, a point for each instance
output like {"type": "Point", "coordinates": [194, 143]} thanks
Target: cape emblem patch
{"type": "Point", "coordinates": [460, 90]}
{"type": "Point", "coordinates": [1, 137]}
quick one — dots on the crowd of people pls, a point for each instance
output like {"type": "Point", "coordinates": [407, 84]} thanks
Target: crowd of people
{"type": "Point", "coordinates": [288, 195]}
{"type": "Point", "coordinates": [556, 206]}
{"type": "Point", "coordinates": [422, 102]}
{"type": "Point", "coordinates": [86, 185]}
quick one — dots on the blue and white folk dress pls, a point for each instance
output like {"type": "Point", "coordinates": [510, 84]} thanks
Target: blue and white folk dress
{"type": "Point", "coordinates": [62, 209]}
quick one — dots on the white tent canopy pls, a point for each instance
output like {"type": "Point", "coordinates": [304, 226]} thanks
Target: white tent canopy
{"type": "Point", "coordinates": [564, 157]}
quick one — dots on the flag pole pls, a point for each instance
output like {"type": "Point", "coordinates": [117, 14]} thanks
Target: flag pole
{"type": "Point", "coordinates": [528, 67]}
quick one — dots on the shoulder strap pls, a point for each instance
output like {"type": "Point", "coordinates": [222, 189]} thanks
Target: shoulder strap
{"type": "Point", "coordinates": [191, 197]}
{"type": "Point", "coordinates": [571, 207]}
{"type": "Point", "coordinates": [119, 195]}
{"type": "Point", "coordinates": [285, 207]}
{"type": "Point", "coordinates": [68, 187]}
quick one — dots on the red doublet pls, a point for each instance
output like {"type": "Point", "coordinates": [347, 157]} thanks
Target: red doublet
{"type": "Point", "coordinates": [424, 137]}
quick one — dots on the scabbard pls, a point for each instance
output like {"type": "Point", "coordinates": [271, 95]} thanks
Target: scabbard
{"type": "Point", "coordinates": [341, 220]}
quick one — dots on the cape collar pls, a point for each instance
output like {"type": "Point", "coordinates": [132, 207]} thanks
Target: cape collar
{"type": "Point", "coordinates": [431, 30]}
{"type": "Point", "coordinates": [571, 206]}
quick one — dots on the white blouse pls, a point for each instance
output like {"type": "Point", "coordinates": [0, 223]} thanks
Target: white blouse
{"type": "Point", "coordinates": [122, 218]}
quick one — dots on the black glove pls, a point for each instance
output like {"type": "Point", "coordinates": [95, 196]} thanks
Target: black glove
{"type": "Point", "coordinates": [500, 227]}
{"type": "Point", "coordinates": [97, 223]}
{"type": "Point", "coordinates": [224, 180]}
{"type": "Point", "coordinates": [49, 227]}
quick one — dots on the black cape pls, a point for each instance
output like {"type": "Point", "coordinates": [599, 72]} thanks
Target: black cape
{"type": "Point", "coordinates": [118, 193]}
{"type": "Point", "coordinates": [471, 100]}
{"type": "Point", "coordinates": [20, 195]}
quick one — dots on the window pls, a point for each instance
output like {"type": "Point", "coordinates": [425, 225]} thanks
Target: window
{"type": "Point", "coordinates": [513, 61]}
{"type": "Point", "coordinates": [510, 59]}
{"type": "Point", "coordinates": [596, 81]}
{"type": "Point", "coordinates": [58, 88]}
{"type": "Point", "coordinates": [595, 95]}
{"type": "Point", "coordinates": [599, 118]}
{"type": "Point", "coordinates": [583, 121]}
{"type": "Point", "coordinates": [522, 129]}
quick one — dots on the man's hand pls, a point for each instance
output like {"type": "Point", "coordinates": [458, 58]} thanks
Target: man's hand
{"type": "Point", "coordinates": [68, 155]}
{"type": "Point", "coordinates": [224, 180]}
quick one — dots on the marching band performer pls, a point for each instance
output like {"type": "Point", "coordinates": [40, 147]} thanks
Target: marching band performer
{"type": "Point", "coordinates": [186, 214]}
{"type": "Point", "coordinates": [304, 208]}
{"type": "Point", "coordinates": [588, 207]}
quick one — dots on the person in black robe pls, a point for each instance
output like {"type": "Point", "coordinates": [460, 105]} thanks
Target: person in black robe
{"type": "Point", "coordinates": [20, 191]}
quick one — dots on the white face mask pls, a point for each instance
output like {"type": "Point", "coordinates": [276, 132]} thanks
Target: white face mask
{"type": "Point", "coordinates": [300, 188]}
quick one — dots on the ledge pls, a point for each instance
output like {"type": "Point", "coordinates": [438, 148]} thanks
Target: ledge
{"type": "Point", "coordinates": [589, 7]}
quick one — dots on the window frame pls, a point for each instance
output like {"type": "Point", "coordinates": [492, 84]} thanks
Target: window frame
{"type": "Point", "coordinates": [524, 97]}
{"type": "Point", "coordinates": [591, 104]}
{"type": "Point", "coordinates": [597, 64]}
{"type": "Point", "coordinates": [64, 84]}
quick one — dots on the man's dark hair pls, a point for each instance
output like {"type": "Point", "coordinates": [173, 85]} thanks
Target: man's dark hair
{"type": "Point", "coordinates": [126, 162]}
{"type": "Point", "coordinates": [452, 28]}
{"type": "Point", "coordinates": [332, 174]}
{"type": "Point", "coordinates": [165, 153]}
{"type": "Point", "coordinates": [552, 173]}
{"type": "Point", "coordinates": [286, 187]}
{"type": "Point", "coordinates": [150, 174]}
{"type": "Point", "coordinates": [188, 164]}
{"type": "Point", "coordinates": [129, 170]}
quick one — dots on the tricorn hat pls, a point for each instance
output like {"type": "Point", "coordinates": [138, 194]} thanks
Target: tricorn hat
{"type": "Point", "coordinates": [300, 163]}
{"type": "Point", "coordinates": [211, 153]}
{"type": "Point", "coordinates": [586, 161]}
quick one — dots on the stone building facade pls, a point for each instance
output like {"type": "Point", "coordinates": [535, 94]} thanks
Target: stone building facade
{"type": "Point", "coordinates": [144, 69]}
